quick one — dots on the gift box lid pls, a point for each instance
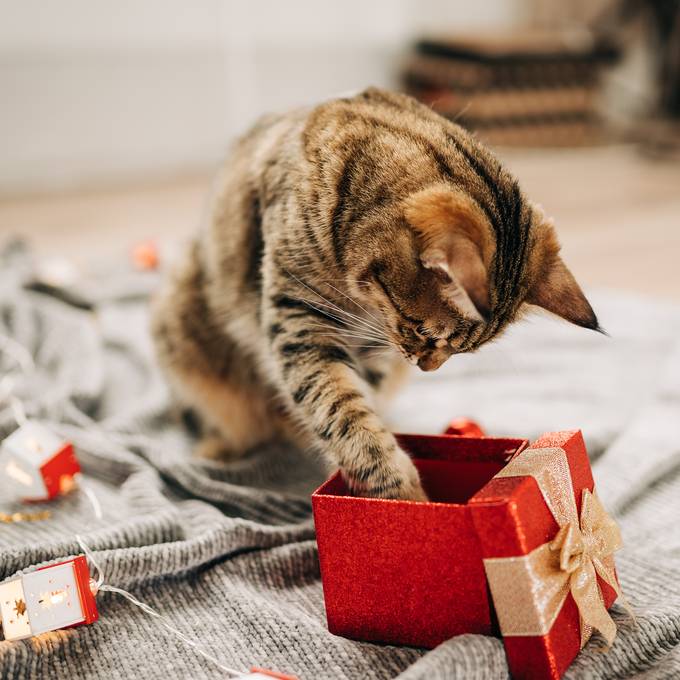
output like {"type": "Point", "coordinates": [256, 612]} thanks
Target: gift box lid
{"type": "Point", "coordinates": [517, 516]}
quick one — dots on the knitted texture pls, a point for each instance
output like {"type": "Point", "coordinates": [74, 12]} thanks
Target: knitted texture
{"type": "Point", "coordinates": [226, 551]}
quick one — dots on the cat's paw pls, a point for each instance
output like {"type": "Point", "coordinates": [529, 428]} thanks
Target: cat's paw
{"type": "Point", "coordinates": [394, 478]}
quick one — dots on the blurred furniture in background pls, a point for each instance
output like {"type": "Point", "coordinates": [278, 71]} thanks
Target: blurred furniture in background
{"type": "Point", "coordinates": [573, 74]}
{"type": "Point", "coordinates": [519, 87]}
{"type": "Point", "coordinates": [653, 26]}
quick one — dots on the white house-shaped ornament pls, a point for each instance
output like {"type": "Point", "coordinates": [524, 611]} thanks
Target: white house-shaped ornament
{"type": "Point", "coordinates": [37, 463]}
{"type": "Point", "coordinates": [53, 597]}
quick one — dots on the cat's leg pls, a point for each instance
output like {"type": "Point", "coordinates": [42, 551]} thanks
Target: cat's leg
{"type": "Point", "coordinates": [234, 417]}
{"type": "Point", "coordinates": [206, 369]}
{"type": "Point", "coordinates": [329, 397]}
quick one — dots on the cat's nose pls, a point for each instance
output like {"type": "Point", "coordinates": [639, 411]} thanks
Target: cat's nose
{"type": "Point", "coordinates": [432, 361]}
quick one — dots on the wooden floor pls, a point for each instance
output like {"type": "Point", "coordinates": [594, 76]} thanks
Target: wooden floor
{"type": "Point", "coordinates": [618, 215]}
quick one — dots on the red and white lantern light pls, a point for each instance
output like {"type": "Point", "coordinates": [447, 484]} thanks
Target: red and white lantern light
{"type": "Point", "coordinates": [39, 464]}
{"type": "Point", "coordinates": [53, 597]}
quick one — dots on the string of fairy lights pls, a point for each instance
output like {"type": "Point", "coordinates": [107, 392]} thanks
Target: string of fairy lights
{"type": "Point", "coordinates": [41, 467]}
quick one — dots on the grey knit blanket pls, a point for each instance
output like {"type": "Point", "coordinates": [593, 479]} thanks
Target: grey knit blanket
{"type": "Point", "coordinates": [227, 552]}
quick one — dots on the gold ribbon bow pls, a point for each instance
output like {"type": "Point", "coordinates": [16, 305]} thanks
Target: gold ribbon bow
{"type": "Point", "coordinates": [529, 591]}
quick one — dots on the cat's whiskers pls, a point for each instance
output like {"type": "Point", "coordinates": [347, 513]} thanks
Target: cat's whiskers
{"type": "Point", "coordinates": [342, 279]}
{"type": "Point", "coordinates": [368, 332]}
{"type": "Point", "coordinates": [354, 330]}
{"type": "Point", "coordinates": [352, 336]}
{"type": "Point", "coordinates": [354, 323]}
{"type": "Point", "coordinates": [313, 305]}
{"type": "Point", "coordinates": [353, 346]}
{"type": "Point", "coordinates": [349, 318]}
{"type": "Point", "coordinates": [345, 323]}
{"type": "Point", "coordinates": [338, 309]}
{"type": "Point", "coordinates": [354, 302]}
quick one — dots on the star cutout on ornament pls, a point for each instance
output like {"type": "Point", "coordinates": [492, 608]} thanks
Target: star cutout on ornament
{"type": "Point", "coordinates": [20, 607]}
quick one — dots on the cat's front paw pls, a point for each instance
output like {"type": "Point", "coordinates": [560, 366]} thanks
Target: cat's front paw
{"type": "Point", "coordinates": [395, 477]}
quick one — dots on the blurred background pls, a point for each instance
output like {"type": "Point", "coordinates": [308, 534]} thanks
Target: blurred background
{"type": "Point", "coordinates": [115, 115]}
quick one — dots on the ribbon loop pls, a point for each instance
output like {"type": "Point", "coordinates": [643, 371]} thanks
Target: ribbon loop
{"type": "Point", "coordinates": [569, 543]}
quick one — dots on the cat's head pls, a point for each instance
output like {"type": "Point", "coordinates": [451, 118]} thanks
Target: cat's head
{"type": "Point", "coordinates": [451, 275]}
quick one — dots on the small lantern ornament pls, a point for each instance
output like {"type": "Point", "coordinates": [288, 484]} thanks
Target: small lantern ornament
{"type": "Point", "coordinates": [465, 427]}
{"type": "Point", "coordinates": [38, 463]}
{"type": "Point", "coordinates": [49, 598]}
{"type": "Point", "coordinates": [145, 255]}
{"type": "Point", "coordinates": [63, 595]}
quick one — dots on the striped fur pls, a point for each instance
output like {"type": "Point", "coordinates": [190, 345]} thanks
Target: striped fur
{"type": "Point", "coordinates": [341, 241]}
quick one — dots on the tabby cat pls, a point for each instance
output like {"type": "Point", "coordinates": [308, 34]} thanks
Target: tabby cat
{"type": "Point", "coordinates": [343, 243]}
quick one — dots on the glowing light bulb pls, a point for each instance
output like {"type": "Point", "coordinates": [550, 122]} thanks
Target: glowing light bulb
{"type": "Point", "coordinates": [52, 598]}
{"type": "Point", "coordinates": [66, 484]}
{"type": "Point", "coordinates": [19, 475]}
{"type": "Point", "coordinates": [56, 598]}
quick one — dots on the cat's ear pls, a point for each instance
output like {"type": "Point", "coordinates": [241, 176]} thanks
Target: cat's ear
{"type": "Point", "coordinates": [554, 287]}
{"type": "Point", "coordinates": [454, 237]}
{"type": "Point", "coordinates": [557, 291]}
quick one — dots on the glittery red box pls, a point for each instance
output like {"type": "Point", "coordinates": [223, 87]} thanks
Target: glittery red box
{"type": "Point", "coordinates": [413, 573]}
{"type": "Point", "coordinates": [405, 572]}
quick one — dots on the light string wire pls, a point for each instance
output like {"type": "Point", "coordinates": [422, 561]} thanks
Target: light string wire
{"type": "Point", "coordinates": [90, 494]}
{"type": "Point", "coordinates": [26, 365]}
{"type": "Point", "coordinates": [18, 411]}
{"type": "Point", "coordinates": [23, 359]}
{"type": "Point", "coordinates": [100, 585]}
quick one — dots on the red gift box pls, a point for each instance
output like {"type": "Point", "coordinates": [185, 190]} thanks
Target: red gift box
{"type": "Point", "coordinates": [405, 572]}
{"type": "Point", "coordinates": [475, 557]}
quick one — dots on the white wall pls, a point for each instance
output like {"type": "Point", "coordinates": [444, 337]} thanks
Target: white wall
{"type": "Point", "coordinates": [94, 91]}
